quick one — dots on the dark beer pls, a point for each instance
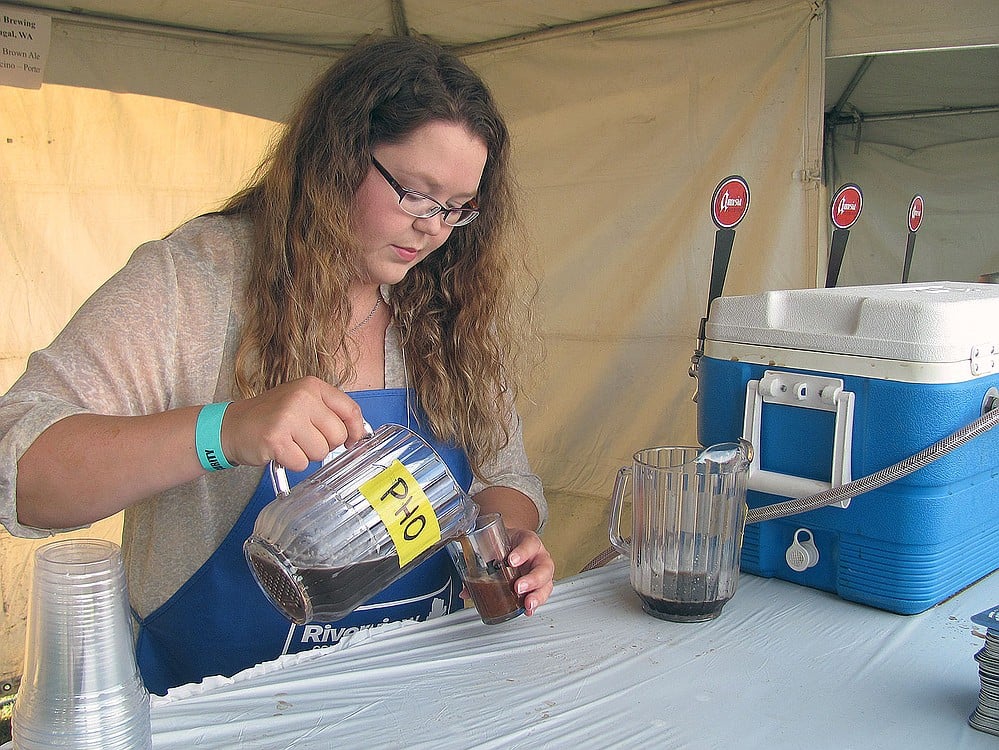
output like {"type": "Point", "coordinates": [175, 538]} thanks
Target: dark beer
{"type": "Point", "coordinates": [336, 592]}
{"type": "Point", "coordinates": [494, 598]}
{"type": "Point", "coordinates": [693, 599]}
{"type": "Point", "coordinates": [321, 594]}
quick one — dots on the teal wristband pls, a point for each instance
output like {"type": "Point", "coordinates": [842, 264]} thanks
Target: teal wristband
{"type": "Point", "coordinates": [208, 437]}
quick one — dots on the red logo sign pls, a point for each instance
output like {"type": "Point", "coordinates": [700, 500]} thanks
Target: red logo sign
{"type": "Point", "coordinates": [846, 206]}
{"type": "Point", "coordinates": [915, 213]}
{"type": "Point", "coordinates": [730, 203]}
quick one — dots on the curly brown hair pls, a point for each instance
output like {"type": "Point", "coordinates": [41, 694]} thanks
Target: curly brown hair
{"type": "Point", "coordinates": [463, 312]}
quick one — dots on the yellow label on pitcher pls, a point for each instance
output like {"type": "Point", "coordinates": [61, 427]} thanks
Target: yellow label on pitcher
{"type": "Point", "coordinates": [405, 510]}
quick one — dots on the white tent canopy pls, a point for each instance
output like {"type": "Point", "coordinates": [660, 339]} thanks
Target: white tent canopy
{"type": "Point", "coordinates": [624, 120]}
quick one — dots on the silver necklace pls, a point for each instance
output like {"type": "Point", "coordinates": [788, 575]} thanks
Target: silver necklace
{"type": "Point", "coordinates": [369, 316]}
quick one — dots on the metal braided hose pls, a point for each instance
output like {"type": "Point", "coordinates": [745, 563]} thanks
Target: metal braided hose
{"type": "Point", "coordinates": [880, 478]}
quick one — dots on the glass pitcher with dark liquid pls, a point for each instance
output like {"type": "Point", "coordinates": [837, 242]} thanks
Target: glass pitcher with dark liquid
{"type": "Point", "coordinates": [688, 516]}
{"type": "Point", "coordinates": [350, 529]}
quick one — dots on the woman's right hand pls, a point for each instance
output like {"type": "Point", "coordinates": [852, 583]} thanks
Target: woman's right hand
{"type": "Point", "coordinates": [293, 424]}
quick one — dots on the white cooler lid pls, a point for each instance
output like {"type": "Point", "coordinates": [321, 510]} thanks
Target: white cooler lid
{"type": "Point", "coordinates": [928, 322]}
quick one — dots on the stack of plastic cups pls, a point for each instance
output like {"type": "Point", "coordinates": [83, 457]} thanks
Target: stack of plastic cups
{"type": "Point", "coordinates": [81, 686]}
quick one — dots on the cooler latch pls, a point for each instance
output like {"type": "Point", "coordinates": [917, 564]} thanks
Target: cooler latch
{"type": "Point", "coordinates": [984, 359]}
{"type": "Point", "coordinates": [807, 392]}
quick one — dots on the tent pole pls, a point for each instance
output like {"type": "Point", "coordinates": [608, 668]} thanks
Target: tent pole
{"type": "Point", "coordinates": [854, 82]}
{"type": "Point", "coordinates": [915, 114]}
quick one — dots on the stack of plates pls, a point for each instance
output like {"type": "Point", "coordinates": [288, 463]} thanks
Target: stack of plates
{"type": "Point", "coordinates": [985, 717]}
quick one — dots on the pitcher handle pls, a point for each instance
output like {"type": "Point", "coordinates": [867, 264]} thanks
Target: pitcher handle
{"type": "Point", "coordinates": [619, 543]}
{"type": "Point", "coordinates": [279, 477]}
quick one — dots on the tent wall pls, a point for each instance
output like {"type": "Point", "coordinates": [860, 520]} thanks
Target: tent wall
{"type": "Point", "coordinates": [862, 27]}
{"type": "Point", "coordinates": [619, 154]}
{"type": "Point", "coordinates": [945, 57]}
{"type": "Point", "coordinates": [958, 182]}
{"type": "Point", "coordinates": [86, 176]}
{"type": "Point", "coordinates": [258, 79]}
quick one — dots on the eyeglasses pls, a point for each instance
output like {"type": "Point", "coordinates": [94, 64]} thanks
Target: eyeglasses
{"type": "Point", "coordinates": [423, 206]}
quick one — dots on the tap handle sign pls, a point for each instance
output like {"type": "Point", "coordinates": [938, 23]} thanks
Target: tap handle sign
{"type": "Point", "coordinates": [730, 202]}
{"type": "Point", "coordinates": [729, 206]}
{"type": "Point", "coordinates": [844, 211]}
{"type": "Point", "coordinates": [913, 220]}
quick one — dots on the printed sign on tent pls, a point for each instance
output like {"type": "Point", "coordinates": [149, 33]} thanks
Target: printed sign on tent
{"type": "Point", "coordinates": [24, 47]}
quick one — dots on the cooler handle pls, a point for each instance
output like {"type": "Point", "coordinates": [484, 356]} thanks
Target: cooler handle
{"type": "Point", "coordinates": [808, 392]}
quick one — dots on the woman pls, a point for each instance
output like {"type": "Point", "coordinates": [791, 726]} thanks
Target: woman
{"type": "Point", "coordinates": [361, 277]}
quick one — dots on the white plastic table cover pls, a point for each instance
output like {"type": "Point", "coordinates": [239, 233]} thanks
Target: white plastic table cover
{"type": "Point", "coordinates": [784, 666]}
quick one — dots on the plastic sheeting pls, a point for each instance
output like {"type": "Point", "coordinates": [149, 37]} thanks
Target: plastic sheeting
{"type": "Point", "coordinates": [784, 666]}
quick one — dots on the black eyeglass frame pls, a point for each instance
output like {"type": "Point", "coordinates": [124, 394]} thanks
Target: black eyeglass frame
{"type": "Point", "coordinates": [467, 213]}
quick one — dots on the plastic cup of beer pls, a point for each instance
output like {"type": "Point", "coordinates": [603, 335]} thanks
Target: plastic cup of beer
{"type": "Point", "coordinates": [481, 557]}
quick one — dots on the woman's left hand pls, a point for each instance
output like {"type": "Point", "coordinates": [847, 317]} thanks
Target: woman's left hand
{"type": "Point", "coordinates": [536, 567]}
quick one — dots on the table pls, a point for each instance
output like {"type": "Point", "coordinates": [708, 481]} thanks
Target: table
{"type": "Point", "coordinates": [784, 666]}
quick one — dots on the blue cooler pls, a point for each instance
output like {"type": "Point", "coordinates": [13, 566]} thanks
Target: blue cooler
{"type": "Point", "coordinates": [831, 385]}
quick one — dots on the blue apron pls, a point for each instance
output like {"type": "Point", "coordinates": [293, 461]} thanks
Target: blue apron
{"type": "Point", "coordinates": [220, 622]}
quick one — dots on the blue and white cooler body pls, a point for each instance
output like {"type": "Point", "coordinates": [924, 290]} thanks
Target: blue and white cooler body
{"type": "Point", "coordinates": [831, 385]}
